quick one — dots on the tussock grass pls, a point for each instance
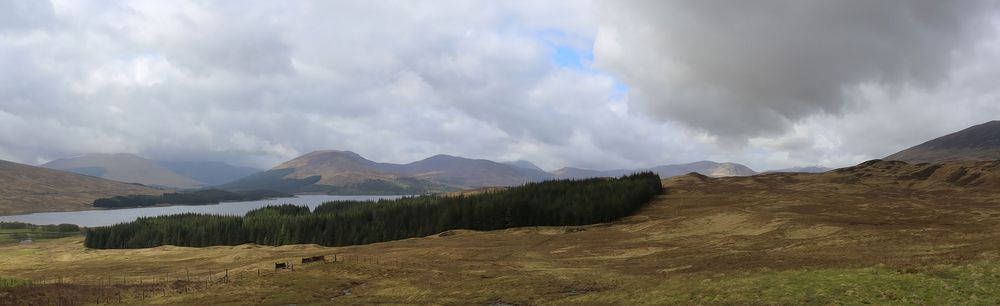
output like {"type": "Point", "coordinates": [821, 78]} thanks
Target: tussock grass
{"type": "Point", "coordinates": [8, 282]}
{"type": "Point", "coordinates": [779, 239]}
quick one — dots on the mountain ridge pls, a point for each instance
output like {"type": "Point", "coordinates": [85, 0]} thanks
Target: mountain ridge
{"type": "Point", "coordinates": [27, 189]}
{"type": "Point", "coordinates": [123, 167]}
{"type": "Point", "coordinates": [346, 172]}
{"type": "Point", "coordinates": [708, 168]}
{"type": "Point", "coordinates": [976, 143]}
{"type": "Point", "coordinates": [208, 173]}
{"type": "Point", "coordinates": [131, 168]}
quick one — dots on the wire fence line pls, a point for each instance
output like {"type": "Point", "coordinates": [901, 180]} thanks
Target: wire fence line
{"type": "Point", "coordinates": [124, 287]}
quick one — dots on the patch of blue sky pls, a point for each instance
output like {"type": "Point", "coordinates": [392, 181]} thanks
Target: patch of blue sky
{"type": "Point", "coordinates": [570, 52]}
{"type": "Point", "coordinates": [582, 61]}
{"type": "Point", "coordinates": [570, 58]}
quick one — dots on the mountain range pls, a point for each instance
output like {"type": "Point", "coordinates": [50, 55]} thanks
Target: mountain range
{"type": "Point", "coordinates": [808, 169]}
{"type": "Point", "coordinates": [132, 168]}
{"type": "Point", "coordinates": [25, 189]}
{"type": "Point", "coordinates": [708, 168]}
{"type": "Point", "coordinates": [980, 142]}
{"type": "Point", "coordinates": [345, 172]}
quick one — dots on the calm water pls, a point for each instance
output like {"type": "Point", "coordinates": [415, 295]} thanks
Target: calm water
{"type": "Point", "coordinates": [93, 218]}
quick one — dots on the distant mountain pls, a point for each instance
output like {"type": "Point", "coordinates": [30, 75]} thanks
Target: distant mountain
{"type": "Point", "coordinates": [708, 168]}
{"type": "Point", "coordinates": [208, 172]}
{"type": "Point", "coordinates": [980, 142]}
{"type": "Point", "coordinates": [578, 173]}
{"type": "Point", "coordinates": [469, 173]}
{"type": "Point", "coordinates": [345, 172]}
{"type": "Point", "coordinates": [809, 169]}
{"type": "Point", "coordinates": [530, 170]}
{"type": "Point", "coordinates": [127, 168]}
{"type": "Point", "coordinates": [26, 189]}
{"type": "Point", "coordinates": [335, 172]}
{"type": "Point", "coordinates": [523, 164]}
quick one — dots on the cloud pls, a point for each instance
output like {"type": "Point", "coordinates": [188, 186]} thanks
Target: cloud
{"type": "Point", "coordinates": [258, 82]}
{"type": "Point", "coordinates": [24, 15]}
{"type": "Point", "coordinates": [394, 81]}
{"type": "Point", "coordinates": [747, 69]}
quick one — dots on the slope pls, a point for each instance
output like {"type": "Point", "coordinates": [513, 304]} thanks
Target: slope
{"type": "Point", "coordinates": [126, 168]}
{"type": "Point", "coordinates": [345, 172]}
{"type": "Point", "coordinates": [980, 142]}
{"type": "Point", "coordinates": [871, 234]}
{"type": "Point", "coordinates": [208, 173]}
{"type": "Point", "coordinates": [463, 172]}
{"type": "Point", "coordinates": [335, 172]}
{"type": "Point", "coordinates": [708, 168]}
{"type": "Point", "coordinates": [26, 189]}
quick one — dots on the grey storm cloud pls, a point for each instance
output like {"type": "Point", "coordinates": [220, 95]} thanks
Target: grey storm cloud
{"type": "Point", "coordinates": [394, 81]}
{"type": "Point", "coordinates": [742, 69]}
{"type": "Point", "coordinates": [258, 82]}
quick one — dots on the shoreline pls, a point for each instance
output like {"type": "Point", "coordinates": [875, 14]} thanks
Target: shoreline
{"type": "Point", "coordinates": [95, 217]}
{"type": "Point", "coordinates": [91, 208]}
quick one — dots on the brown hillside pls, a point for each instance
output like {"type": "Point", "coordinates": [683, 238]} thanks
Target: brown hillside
{"type": "Point", "coordinates": [126, 168]}
{"type": "Point", "coordinates": [335, 168]}
{"type": "Point", "coordinates": [852, 236]}
{"type": "Point", "coordinates": [345, 167]}
{"type": "Point", "coordinates": [980, 142]}
{"type": "Point", "coordinates": [26, 189]}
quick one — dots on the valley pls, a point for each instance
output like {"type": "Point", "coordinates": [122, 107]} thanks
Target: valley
{"type": "Point", "coordinates": [881, 232]}
{"type": "Point", "coordinates": [499, 153]}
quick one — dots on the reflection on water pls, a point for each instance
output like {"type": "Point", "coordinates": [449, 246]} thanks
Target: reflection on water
{"type": "Point", "coordinates": [91, 218]}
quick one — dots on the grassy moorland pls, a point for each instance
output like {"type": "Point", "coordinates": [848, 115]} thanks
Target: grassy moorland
{"type": "Point", "coordinates": [16, 232]}
{"type": "Point", "coordinates": [858, 236]}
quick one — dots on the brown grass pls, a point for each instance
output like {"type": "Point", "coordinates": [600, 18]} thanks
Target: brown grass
{"type": "Point", "coordinates": [838, 237]}
{"type": "Point", "coordinates": [27, 189]}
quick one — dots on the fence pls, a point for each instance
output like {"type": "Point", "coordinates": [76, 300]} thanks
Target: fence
{"type": "Point", "coordinates": [125, 288]}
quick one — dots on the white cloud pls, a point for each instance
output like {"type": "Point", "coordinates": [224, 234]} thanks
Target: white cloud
{"type": "Point", "coordinates": [402, 80]}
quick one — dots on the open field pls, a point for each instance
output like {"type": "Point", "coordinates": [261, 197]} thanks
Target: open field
{"type": "Point", "coordinates": [861, 235]}
{"type": "Point", "coordinates": [9, 236]}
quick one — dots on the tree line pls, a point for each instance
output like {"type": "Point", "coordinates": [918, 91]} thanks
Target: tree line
{"type": "Point", "coordinates": [199, 197]}
{"type": "Point", "coordinates": [339, 223]}
{"type": "Point", "coordinates": [60, 228]}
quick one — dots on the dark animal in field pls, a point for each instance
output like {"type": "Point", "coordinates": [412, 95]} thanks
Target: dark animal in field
{"type": "Point", "coordinates": [306, 260]}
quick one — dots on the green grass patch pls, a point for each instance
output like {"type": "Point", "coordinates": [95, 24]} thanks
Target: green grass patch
{"type": "Point", "coordinates": [13, 236]}
{"type": "Point", "coordinates": [7, 282]}
{"type": "Point", "coordinates": [974, 284]}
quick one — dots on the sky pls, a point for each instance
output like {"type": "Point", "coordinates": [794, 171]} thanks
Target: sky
{"type": "Point", "coordinates": [592, 84]}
